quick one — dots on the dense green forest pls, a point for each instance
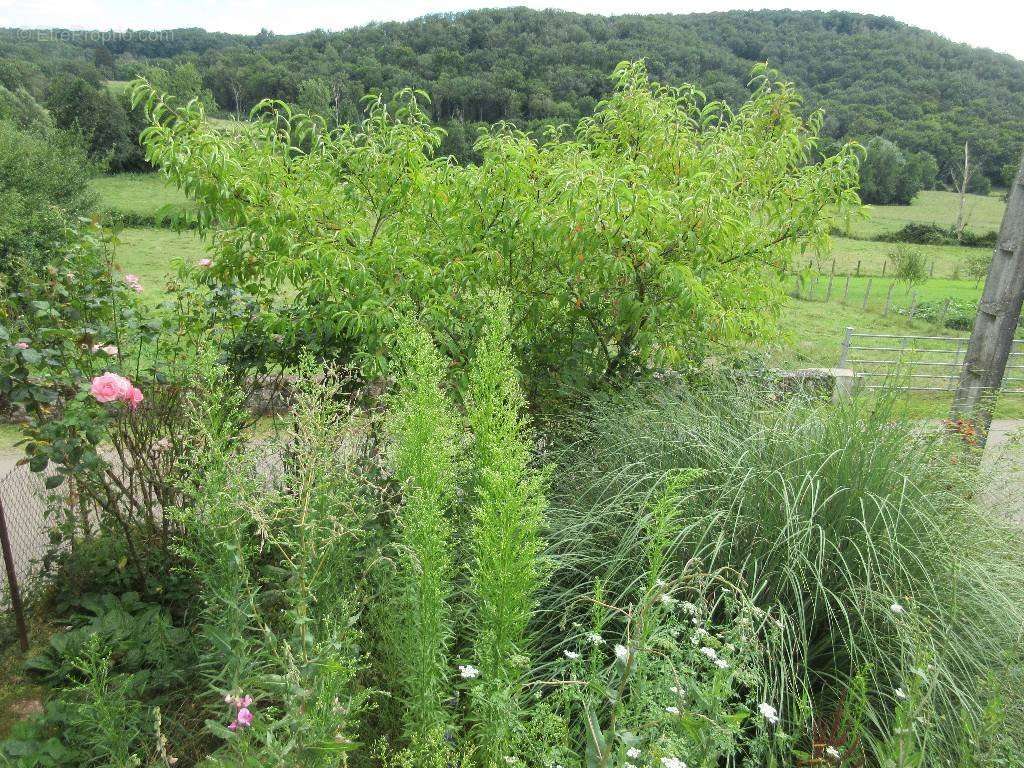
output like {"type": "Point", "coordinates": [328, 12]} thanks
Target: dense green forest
{"type": "Point", "coordinates": [872, 76]}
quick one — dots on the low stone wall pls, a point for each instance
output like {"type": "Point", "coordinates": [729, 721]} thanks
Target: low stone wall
{"type": "Point", "coordinates": [836, 383]}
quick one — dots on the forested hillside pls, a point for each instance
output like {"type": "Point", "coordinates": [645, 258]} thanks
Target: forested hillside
{"type": "Point", "coordinates": [873, 76]}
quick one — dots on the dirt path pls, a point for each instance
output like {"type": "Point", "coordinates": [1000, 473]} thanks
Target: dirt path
{"type": "Point", "coordinates": [1004, 464]}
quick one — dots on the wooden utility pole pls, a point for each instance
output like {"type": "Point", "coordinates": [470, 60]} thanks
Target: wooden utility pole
{"type": "Point", "coordinates": [995, 324]}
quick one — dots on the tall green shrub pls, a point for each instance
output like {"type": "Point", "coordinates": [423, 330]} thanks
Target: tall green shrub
{"type": "Point", "coordinates": [649, 233]}
{"type": "Point", "coordinates": [423, 432]}
{"type": "Point", "coordinates": [505, 570]}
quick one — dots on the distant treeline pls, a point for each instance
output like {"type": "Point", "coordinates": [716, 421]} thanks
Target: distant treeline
{"type": "Point", "coordinates": [873, 76]}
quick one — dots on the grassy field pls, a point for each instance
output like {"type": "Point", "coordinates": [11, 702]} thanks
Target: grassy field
{"type": "Point", "coordinates": [984, 214]}
{"type": "Point", "coordinates": [812, 335]}
{"type": "Point", "coordinates": [154, 255]}
{"type": "Point", "coordinates": [868, 257]}
{"type": "Point", "coordinates": [137, 193]}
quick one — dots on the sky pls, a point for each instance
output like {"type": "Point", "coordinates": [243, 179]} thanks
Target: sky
{"type": "Point", "coordinates": [991, 24]}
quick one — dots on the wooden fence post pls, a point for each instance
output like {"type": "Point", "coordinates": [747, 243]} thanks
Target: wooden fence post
{"type": "Point", "coordinates": [888, 300]}
{"type": "Point", "coordinates": [884, 265]}
{"type": "Point", "coordinates": [858, 267]}
{"type": "Point", "coordinates": [828, 291]}
{"type": "Point", "coordinates": [867, 292]}
{"type": "Point", "coordinates": [12, 581]}
{"type": "Point", "coordinates": [913, 306]}
{"type": "Point", "coordinates": [846, 290]}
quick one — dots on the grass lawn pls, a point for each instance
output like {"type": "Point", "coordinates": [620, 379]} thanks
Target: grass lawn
{"type": "Point", "coordinates": [984, 214]}
{"type": "Point", "coordinates": [872, 257]}
{"type": "Point", "coordinates": [137, 193]}
{"type": "Point", "coordinates": [154, 255]}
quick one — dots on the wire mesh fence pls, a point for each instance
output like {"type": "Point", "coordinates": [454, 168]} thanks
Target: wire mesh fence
{"type": "Point", "coordinates": [25, 502]}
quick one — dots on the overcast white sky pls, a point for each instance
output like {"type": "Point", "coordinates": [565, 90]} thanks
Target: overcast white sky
{"type": "Point", "coordinates": [996, 24]}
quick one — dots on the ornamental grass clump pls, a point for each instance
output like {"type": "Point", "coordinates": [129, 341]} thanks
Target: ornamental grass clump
{"type": "Point", "coordinates": [856, 530]}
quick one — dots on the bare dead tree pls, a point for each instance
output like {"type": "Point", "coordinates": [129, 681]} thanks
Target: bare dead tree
{"type": "Point", "coordinates": [961, 178]}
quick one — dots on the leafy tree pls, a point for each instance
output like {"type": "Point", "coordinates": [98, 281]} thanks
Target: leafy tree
{"type": "Point", "coordinates": [89, 110]}
{"type": "Point", "coordinates": [653, 233]}
{"type": "Point", "coordinates": [45, 189]}
{"type": "Point", "coordinates": [890, 176]}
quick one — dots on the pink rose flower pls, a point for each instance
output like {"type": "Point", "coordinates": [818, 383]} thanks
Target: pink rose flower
{"type": "Point", "coordinates": [22, 345]}
{"type": "Point", "coordinates": [110, 387]}
{"type": "Point", "coordinates": [133, 397]}
{"type": "Point", "coordinates": [206, 263]}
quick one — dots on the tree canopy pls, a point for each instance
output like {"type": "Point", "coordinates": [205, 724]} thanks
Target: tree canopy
{"type": "Point", "coordinates": [872, 76]}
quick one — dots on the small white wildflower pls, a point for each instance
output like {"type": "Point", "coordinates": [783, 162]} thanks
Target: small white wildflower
{"type": "Point", "coordinates": [770, 713]}
{"type": "Point", "coordinates": [676, 690]}
{"type": "Point", "coordinates": [621, 652]}
{"type": "Point", "coordinates": [721, 663]}
{"type": "Point", "coordinates": [571, 655]}
{"type": "Point", "coordinates": [672, 710]}
{"type": "Point", "coordinates": [667, 599]}
{"type": "Point", "coordinates": [672, 762]}
{"type": "Point", "coordinates": [468, 671]}
{"type": "Point", "coordinates": [897, 608]}
{"type": "Point", "coordinates": [629, 765]}
{"type": "Point", "coordinates": [709, 652]}
{"type": "Point", "coordinates": [661, 583]}
{"type": "Point", "coordinates": [633, 752]}
{"type": "Point", "coordinates": [595, 638]}
{"type": "Point", "coordinates": [690, 608]}
{"type": "Point", "coordinates": [900, 693]}
{"type": "Point", "coordinates": [510, 760]}
{"type": "Point", "coordinates": [832, 752]}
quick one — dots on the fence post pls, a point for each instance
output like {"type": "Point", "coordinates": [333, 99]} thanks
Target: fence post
{"type": "Point", "coordinates": [867, 292]}
{"type": "Point", "coordinates": [858, 267]}
{"type": "Point", "coordinates": [844, 352]}
{"type": "Point", "coordinates": [12, 581]}
{"type": "Point", "coordinates": [888, 300]}
{"type": "Point", "coordinates": [814, 282]}
{"type": "Point", "coordinates": [913, 306]}
{"type": "Point", "coordinates": [931, 272]}
{"type": "Point", "coordinates": [828, 291]}
{"type": "Point", "coordinates": [884, 265]}
{"type": "Point", "coordinates": [846, 290]}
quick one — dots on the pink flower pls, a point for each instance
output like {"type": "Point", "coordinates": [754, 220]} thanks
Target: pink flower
{"type": "Point", "coordinates": [245, 701]}
{"type": "Point", "coordinates": [206, 263]}
{"type": "Point", "coordinates": [133, 283]}
{"type": "Point", "coordinates": [110, 387]}
{"type": "Point", "coordinates": [233, 726]}
{"type": "Point", "coordinates": [134, 397]}
{"type": "Point", "coordinates": [244, 717]}
{"type": "Point", "coordinates": [22, 345]}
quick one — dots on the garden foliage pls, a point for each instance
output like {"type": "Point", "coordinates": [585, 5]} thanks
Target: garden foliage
{"type": "Point", "coordinates": [646, 235]}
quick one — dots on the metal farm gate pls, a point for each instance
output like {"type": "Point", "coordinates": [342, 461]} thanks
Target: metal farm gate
{"type": "Point", "coordinates": [918, 363]}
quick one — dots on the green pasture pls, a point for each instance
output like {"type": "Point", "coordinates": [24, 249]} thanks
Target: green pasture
{"type": "Point", "coordinates": [137, 193]}
{"type": "Point", "coordinates": [869, 257]}
{"type": "Point", "coordinates": [984, 213]}
{"type": "Point", "coordinates": [155, 254]}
